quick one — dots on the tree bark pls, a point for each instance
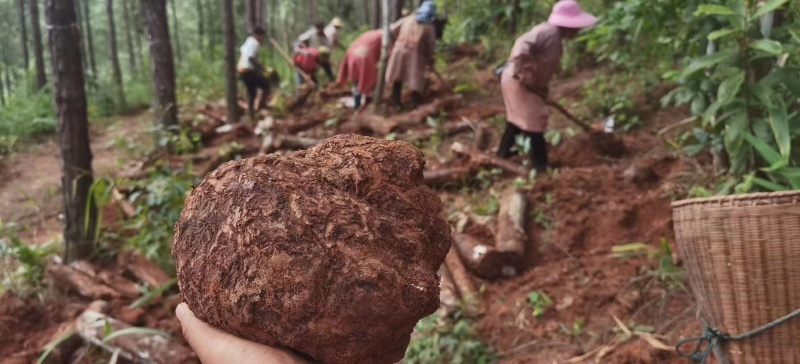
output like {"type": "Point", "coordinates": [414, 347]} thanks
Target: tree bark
{"type": "Point", "coordinates": [251, 12]}
{"type": "Point", "coordinates": [229, 38]}
{"type": "Point", "coordinates": [117, 71]}
{"type": "Point", "coordinates": [126, 17]}
{"type": "Point", "coordinates": [3, 90]}
{"type": "Point", "coordinates": [73, 129]}
{"type": "Point", "coordinates": [461, 278]}
{"type": "Point", "coordinates": [397, 9]}
{"type": "Point", "coordinates": [313, 14]}
{"type": "Point", "coordinates": [162, 64]}
{"type": "Point", "coordinates": [83, 44]}
{"type": "Point", "coordinates": [387, 39]}
{"type": "Point", "coordinates": [24, 28]}
{"type": "Point", "coordinates": [89, 42]}
{"type": "Point", "coordinates": [512, 24]}
{"type": "Point", "coordinates": [377, 19]}
{"type": "Point", "coordinates": [38, 51]}
{"type": "Point", "coordinates": [176, 31]}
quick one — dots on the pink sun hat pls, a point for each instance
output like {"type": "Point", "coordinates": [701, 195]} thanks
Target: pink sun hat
{"type": "Point", "coordinates": [568, 14]}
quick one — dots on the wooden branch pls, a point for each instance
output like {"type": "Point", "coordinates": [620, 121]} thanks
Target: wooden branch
{"type": "Point", "coordinates": [274, 143]}
{"type": "Point", "coordinates": [64, 342]}
{"type": "Point", "coordinates": [80, 282]}
{"type": "Point", "coordinates": [438, 177]}
{"type": "Point", "coordinates": [482, 158]}
{"type": "Point", "coordinates": [291, 62]}
{"type": "Point", "coordinates": [299, 99]}
{"type": "Point", "coordinates": [126, 287]}
{"type": "Point", "coordinates": [511, 236]}
{"type": "Point", "coordinates": [209, 114]}
{"type": "Point", "coordinates": [482, 138]}
{"type": "Point", "coordinates": [144, 348]}
{"type": "Point", "coordinates": [449, 129]}
{"type": "Point", "coordinates": [381, 125]}
{"type": "Point", "coordinates": [461, 278]}
{"type": "Point", "coordinates": [448, 294]}
{"type": "Point", "coordinates": [486, 261]}
{"type": "Point", "coordinates": [145, 270]}
{"type": "Point", "coordinates": [127, 207]}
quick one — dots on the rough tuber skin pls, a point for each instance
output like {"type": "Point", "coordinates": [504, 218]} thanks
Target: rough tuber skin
{"type": "Point", "coordinates": [332, 252]}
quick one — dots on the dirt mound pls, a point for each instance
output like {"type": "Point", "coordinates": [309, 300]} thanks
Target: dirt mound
{"type": "Point", "coordinates": [310, 251]}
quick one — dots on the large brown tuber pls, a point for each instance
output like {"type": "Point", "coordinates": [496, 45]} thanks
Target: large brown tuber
{"type": "Point", "coordinates": [332, 252]}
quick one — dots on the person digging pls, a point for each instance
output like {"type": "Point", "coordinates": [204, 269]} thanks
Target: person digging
{"type": "Point", "coordinates": [252, 73]}
{"type": "Point", "coordinates": [309, 60]}
{"type": "Point", "coordinates": [360, 65]}
{"type": "Point", "coordinates": [412, 54]}
{"type": "Point", "coordinates": [534, 60]}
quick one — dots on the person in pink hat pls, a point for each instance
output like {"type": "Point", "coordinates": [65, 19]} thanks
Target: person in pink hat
{"type": "Point", "coordinates": [533, 62]}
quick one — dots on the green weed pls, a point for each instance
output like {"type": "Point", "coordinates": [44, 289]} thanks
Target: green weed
{"type": "Point", "coordinates": [444, 341]}
{"type": "Point", "coordinates": [539, 302]}
{"type": "Point", "coordinates": [30, 262]}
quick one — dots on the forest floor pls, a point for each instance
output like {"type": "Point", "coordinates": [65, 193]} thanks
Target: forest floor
{"type": "Point", "coordinates": [578, 215]}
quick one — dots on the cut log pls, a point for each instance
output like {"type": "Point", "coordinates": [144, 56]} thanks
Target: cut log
{"type": "Point", "coordinates": [461, 278]}
{"type": "Point", "coordinates": [126, 287]}
{"type": "Point", "coordinates": [62, 344]}
{"type": "Point", "coordinates": [511, 236]}
{"type": "Point", "coordinates": [445, 176]}
{"type": "Point", "coordinates": [207, 112]}
{"type": "Point", "coordinates": [146, 348]}
{"type": "Point", "coordinates": [482, 138]}
{"type": "Point", "coordinates": [482, 158]}
{"type": "Point", "coordinates": [306, 123]}
{"type": "Point", "coordinates": [299, 99]}
{"type": "Point", "coordinates": [381, 125]}
{"type": "Point", "coordinates": [485, 261]}
{"type": "Point", "coordinates": [145, 270]}
{"type": "Point", "coordinates": [274, 143]}
{"type": "Point", "coordinates": [448, 295]}
{"type": "Point", "coordinates": [80, 283]}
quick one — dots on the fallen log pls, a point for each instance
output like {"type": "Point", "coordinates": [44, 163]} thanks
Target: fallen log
{"type": "Point", "coordinates": [483, 158]}
{"type": "Point", "coordinates": [485, 261]}
{"type": "Point", "coordinates": [299, 99]}
{"type": "Point", "coordinates": [62, 344]}
{"type": "Point", "coordinates": [305, 124]}
{"type": "Point", "coordinates": [482, 138]}
{"type": "Point", "coordinates": [378, 124]}
{"type": "Point", "coordinates": [145, 270]}
{"type": "Point", "coordinates": [126, 287]}
{"type": "Point", "coordinates": [140, 347]}
{"type": "Point", "coordinates": [461, 278]}
{"type": "Point", "coordinates": [209, 114]}
{"type": "Point", "coordinates": [274, 143]}
{"type": "Point", "coordinates": [80, 282]}
{"type": "Point", "coordinates": [511, 236]}
{"type": "Point", "coordinates": [449, 129]}
{"type": "Point", "coordinates": [438, 177]}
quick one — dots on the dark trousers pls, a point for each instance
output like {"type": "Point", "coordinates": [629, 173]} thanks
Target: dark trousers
{"type": "Point", "coordinates": [538, 152]}
{"type": "Point", "coordinates": [254, 81]}
{"type": "Point", "coordinates": [397, 94]}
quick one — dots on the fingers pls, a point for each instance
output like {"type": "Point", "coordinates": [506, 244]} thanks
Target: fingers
{"type": "Point", "coordinates": [214, 346]}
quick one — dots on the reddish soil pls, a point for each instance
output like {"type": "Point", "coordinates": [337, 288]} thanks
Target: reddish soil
{"type": "Point", "coordinates": [593, 203]}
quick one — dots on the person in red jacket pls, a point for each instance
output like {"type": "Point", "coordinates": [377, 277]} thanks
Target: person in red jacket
{"type": "Point", "coordinates": [360, 64]}
{"type": "Point", "coordinates": [310, 59]}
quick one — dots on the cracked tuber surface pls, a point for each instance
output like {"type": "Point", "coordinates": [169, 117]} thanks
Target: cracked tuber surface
{"type": "Point", "coordinates": [332, 252]}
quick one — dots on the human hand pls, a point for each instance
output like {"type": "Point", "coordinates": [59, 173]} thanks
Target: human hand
{"type": "Point", "coordinates": [214, 346]}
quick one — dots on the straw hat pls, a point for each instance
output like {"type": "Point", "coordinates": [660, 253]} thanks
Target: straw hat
{"type": "Point", "coordinates": [336, 22]}
{"type": "Point", "coordinates": [568, 14]}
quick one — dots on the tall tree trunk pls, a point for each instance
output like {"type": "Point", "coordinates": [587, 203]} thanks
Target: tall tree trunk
{"type": "Point", "coordinates": [397, 9]}
{"type": "Point", "coordinates": [38, 52]}
{"type": "Point", "coordinates": [126, 17]}
{"type": "Point", "coordinates": [88, 32]}
{"type": "Point", "coordinates": [200, 25]}
{"type": "Point", "coordinates": [262, 13]}
{"type": "Point", "coordinates": [251, 14]}
{"type": "Point", "coordinates": [3, 89]}
{"type": "Point", "coordinates": [117, 71]}
{"type": "Point", "coordinates": [24, 28]}
{"type": "Point", "coordinates": [384, 53]}
{"type": "Point", "coordinates": [378, 16]}
{"type": "Point", "coordinates": [229, 38]}
{"type": "Point", "coordinates": [162, 64]}
{"type": "Point", "coordinates": [176, 31]}
{"type": "Point", "coordinates": [73, 128]}
{"type": "Point", "coordinates": [83, 44]}
{"type": "Point", "coordinates": [313, 14]}
{"type": "Point", "coordinates": [138, 30]}
{"type": "Point", "coordinates": [365, 12]}
{"type": "Point", "coordinates": [512, 25]}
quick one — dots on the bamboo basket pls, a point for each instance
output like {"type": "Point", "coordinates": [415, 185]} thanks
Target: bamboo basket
{"type": "Point", "coordinates": [742, 256]}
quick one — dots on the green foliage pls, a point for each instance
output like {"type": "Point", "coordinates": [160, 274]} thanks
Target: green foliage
{"type": "Point", "coordinates": [201, 79]}
{"type": "Point", "coordinates": [666, 271]}
{"type": "Point", "coordinates": [158, 201]}
{"type": "Point", "coordinates": [30, 262]}
{"type": "Point", "coordinates": [746, 95]}
{"type": "Point", "coordinates": [616, 95]}
{"type": "Point", "coordinates": [25, 116]}
{"type": "Point", "coordinates": [447, 340]}
{"type": "Point", "coordinates": [490, 207]}
{"type": "Point", "coordinates": [540, 302]}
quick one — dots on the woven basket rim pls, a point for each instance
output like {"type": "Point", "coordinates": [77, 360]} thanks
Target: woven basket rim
{"type": "Point", "coordinates": [749, 199]}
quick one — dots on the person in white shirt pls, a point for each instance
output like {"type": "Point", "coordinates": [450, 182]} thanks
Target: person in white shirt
{"type": "Point", "coordinates": [314, 38]}
{"type": "Point", "coordinates": [332, 32]}
{"type": "Point", "coordinates": [250, 69]}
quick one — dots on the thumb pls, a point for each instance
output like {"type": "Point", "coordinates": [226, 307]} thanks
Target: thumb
{"type": "Point", "coordinates": [214, 346]}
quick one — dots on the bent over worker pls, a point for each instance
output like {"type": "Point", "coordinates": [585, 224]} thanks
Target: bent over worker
{"type": "Point", "coordinates": [533, 62]}
{"type": "Point", "coordinates": [251, 72]}
{"type": "Point", "coordinates": [360, 64]}
{"type": "Point", "coordinates": [309, 60]}
{"type": "Point", "coordinates": [412, 55]}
